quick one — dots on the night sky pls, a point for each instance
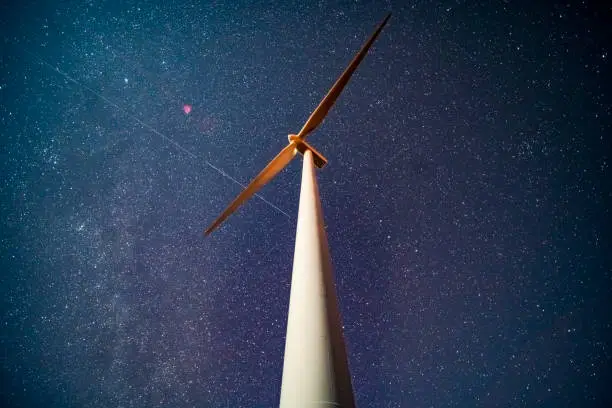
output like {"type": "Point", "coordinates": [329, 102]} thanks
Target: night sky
{"type": "Point", "coordinates": [467, 200]}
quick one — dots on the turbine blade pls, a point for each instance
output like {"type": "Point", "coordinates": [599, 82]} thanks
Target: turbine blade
{"type": "Point", "coordinates": [272, 169]}
{"type": "Point", "coordinates": [320, 112]}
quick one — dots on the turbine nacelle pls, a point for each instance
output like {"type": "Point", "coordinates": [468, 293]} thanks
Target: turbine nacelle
{"type": "Point", "coordinates": [301, 146]}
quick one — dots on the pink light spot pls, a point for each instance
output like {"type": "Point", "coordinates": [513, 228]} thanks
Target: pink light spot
{"type": "Point", "coordinates": [187, 109]}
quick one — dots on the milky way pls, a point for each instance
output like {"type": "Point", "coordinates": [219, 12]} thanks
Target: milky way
{"type": "Point", "coordinates": [466, 199]}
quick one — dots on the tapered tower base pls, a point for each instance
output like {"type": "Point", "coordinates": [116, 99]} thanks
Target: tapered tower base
{"type": "Point", "coordinates": [315, 368]}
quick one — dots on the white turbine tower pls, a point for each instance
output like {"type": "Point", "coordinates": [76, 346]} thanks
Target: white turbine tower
{"type": "Point", "coordinates": [315, 369]}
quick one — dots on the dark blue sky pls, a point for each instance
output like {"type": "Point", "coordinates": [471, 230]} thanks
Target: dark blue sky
{"type": "Point", "coordinates": [467, 200]}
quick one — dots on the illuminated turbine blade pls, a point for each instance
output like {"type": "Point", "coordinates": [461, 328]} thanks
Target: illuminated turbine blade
{"type": "Point", "coordinates": [320, 112]}
{"type": "Point", "coordinates": [272, 169]}
{"type": "Point", "coordinates": [296, 141]}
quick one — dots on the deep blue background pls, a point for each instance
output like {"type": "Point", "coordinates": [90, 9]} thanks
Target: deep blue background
{"type": "Point", "coordinates": [467, 199]}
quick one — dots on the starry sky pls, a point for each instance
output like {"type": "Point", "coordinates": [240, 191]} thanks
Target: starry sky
{"type": "Point", "coordinates": [467, 200]}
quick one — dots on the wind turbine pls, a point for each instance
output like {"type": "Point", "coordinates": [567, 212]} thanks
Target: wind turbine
{"type": "Point", "coordinates": [315, 368]}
